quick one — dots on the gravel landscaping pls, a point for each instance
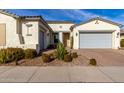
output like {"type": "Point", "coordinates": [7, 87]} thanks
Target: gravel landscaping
{"type": "Point", "coordinates": [82, 61]}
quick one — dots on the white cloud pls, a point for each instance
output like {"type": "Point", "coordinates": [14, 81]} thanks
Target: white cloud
{"type": "Point", "coordinates": [118, 19]}
{"type": "Point", "coordinates": [80, 14]}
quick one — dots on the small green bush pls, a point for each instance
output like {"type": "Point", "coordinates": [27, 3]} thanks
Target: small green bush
{"type": "Point", "coordinates": [67, 58]}
{"type": "Point", "coordinates": [60, 51]}
{"type": "Point", "coordinates": [93, 62]}
{"type": "Point", "coordinates": [46, 58]}
{"type": "Point", "coordinates": [122, 43]}
{"type": "Point", "coordinates": [30, 53]}
{"type": "Point", "coordinates": [74, 55]}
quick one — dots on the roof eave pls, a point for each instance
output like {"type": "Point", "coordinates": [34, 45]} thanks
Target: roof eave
{"type": "Point", "coordinates": [98, 18]}
{"type": "Point", "coordinates": [8, 13]}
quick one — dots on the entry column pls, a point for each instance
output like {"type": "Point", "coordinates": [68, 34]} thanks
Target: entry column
{"type": "Point", "coordinates": [61, 37]}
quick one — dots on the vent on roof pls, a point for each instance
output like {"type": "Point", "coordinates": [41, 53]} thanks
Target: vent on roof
{"type": "Point", "coordinates": [60, 26]}
{"type": "Point", "coordinates": [97, 22]}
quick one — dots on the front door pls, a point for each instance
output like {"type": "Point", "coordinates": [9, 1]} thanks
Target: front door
{"type": "Point", "coordinates": [65, 38]}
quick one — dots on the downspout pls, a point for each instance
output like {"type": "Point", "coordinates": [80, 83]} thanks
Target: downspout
{"type": "Point", "coordinates": [71, 38]}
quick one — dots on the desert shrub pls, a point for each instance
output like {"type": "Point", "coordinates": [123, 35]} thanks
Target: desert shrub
{"type": "Point", "coordinates": [122, 43]}
{"type": "Point", "coordinates": [66, 52]}
{"type": "Point", "coordinates": [30, 53]}
{"type": "Point", "coordinates": [11, 54]}
{"type": "Point", "coordinates": [53, 55]}
{"type": "Point", "coordinates": [74, 55]}
{"type": "Point", "coordinates": [67, 58]}
{"type": "Point", "coordinates": [46, 58]}
{"type": "Point", "coordinates": [3, 56]}
{"type": "Point", "coordinates": [60, 51]}
{"type": "Point", "coordinates": [93, 62]}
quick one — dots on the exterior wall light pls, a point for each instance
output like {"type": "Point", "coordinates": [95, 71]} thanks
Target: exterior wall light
{"type": "Point", "coordinates": [97, 22]}
{"type": "Point", "coordinates": [60, 26]}
{"type": "Point", "coordinates": [29, 25]}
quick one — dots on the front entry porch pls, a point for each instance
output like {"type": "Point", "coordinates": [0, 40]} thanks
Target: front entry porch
{"type": "Point", "coordinates": [63, 37]}
{"type": "Point", "coordinates": [66, 37]}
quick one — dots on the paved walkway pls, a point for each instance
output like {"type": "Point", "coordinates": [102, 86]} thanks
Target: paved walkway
{"type": "Point", "coordinates": [62, 74]}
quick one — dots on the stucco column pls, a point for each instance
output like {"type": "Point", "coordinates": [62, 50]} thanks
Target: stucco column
{"type": "Point", "coordinates": [61, 37]}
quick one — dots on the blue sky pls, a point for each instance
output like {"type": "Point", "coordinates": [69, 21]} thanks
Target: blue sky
{"type": "Point", "coordinates": [74, 15]}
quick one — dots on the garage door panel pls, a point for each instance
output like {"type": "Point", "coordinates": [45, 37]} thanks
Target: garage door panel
{"type": "Point", "coordinates": [95, 40]}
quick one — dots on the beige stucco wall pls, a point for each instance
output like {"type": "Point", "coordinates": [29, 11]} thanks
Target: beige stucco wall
{"type": "Point", "coordinates": [60, 28]}
{"type": "Point", "coordinates": [33, 30]}
{"type": "Point", "coordinates": [18, 26]}
{"type": "Point", "coordinates": [11, 28]}
{"type": "Point", "coordinates": [102, 26]}
{"type": "Point", "coordinates": [30, 41]}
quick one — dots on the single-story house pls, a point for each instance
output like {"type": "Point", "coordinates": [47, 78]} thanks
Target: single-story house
{"type": "Point", "coordinates": [94, 33]}
{"type": "Point", "coordinates": [61, 31]}
{"type": "Point", "coordinates": [24, 31]}
{"type": "Point", "coordinates": [36, 33]}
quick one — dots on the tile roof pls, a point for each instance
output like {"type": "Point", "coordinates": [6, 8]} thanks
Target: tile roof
{"type": "Point", "coordinates": [59, 22]}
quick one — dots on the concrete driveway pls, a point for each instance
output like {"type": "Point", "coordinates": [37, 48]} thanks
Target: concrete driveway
{"type": "Point", "coordinates": [61, 74]}
{"type": "Point", "coordinates": [104, 57]}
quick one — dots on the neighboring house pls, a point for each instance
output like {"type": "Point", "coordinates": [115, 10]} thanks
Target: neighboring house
{"type": "Point", "coordinates": [24, 31]}
{"type": "Point", "coordinates": [61, 31]}
{"type": "Point", "coordinates": [122, 34]}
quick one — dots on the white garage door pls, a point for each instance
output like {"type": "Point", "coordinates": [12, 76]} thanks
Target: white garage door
{"type": "Point", "coordinates": [95, 40]}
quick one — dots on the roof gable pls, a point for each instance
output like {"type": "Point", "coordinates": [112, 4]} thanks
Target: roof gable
{"type": "Point", "coordinates": [98, 18]}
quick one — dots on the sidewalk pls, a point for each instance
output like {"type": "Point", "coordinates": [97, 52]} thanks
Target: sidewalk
{"type": "Point", "coordinates": [61, 74]}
